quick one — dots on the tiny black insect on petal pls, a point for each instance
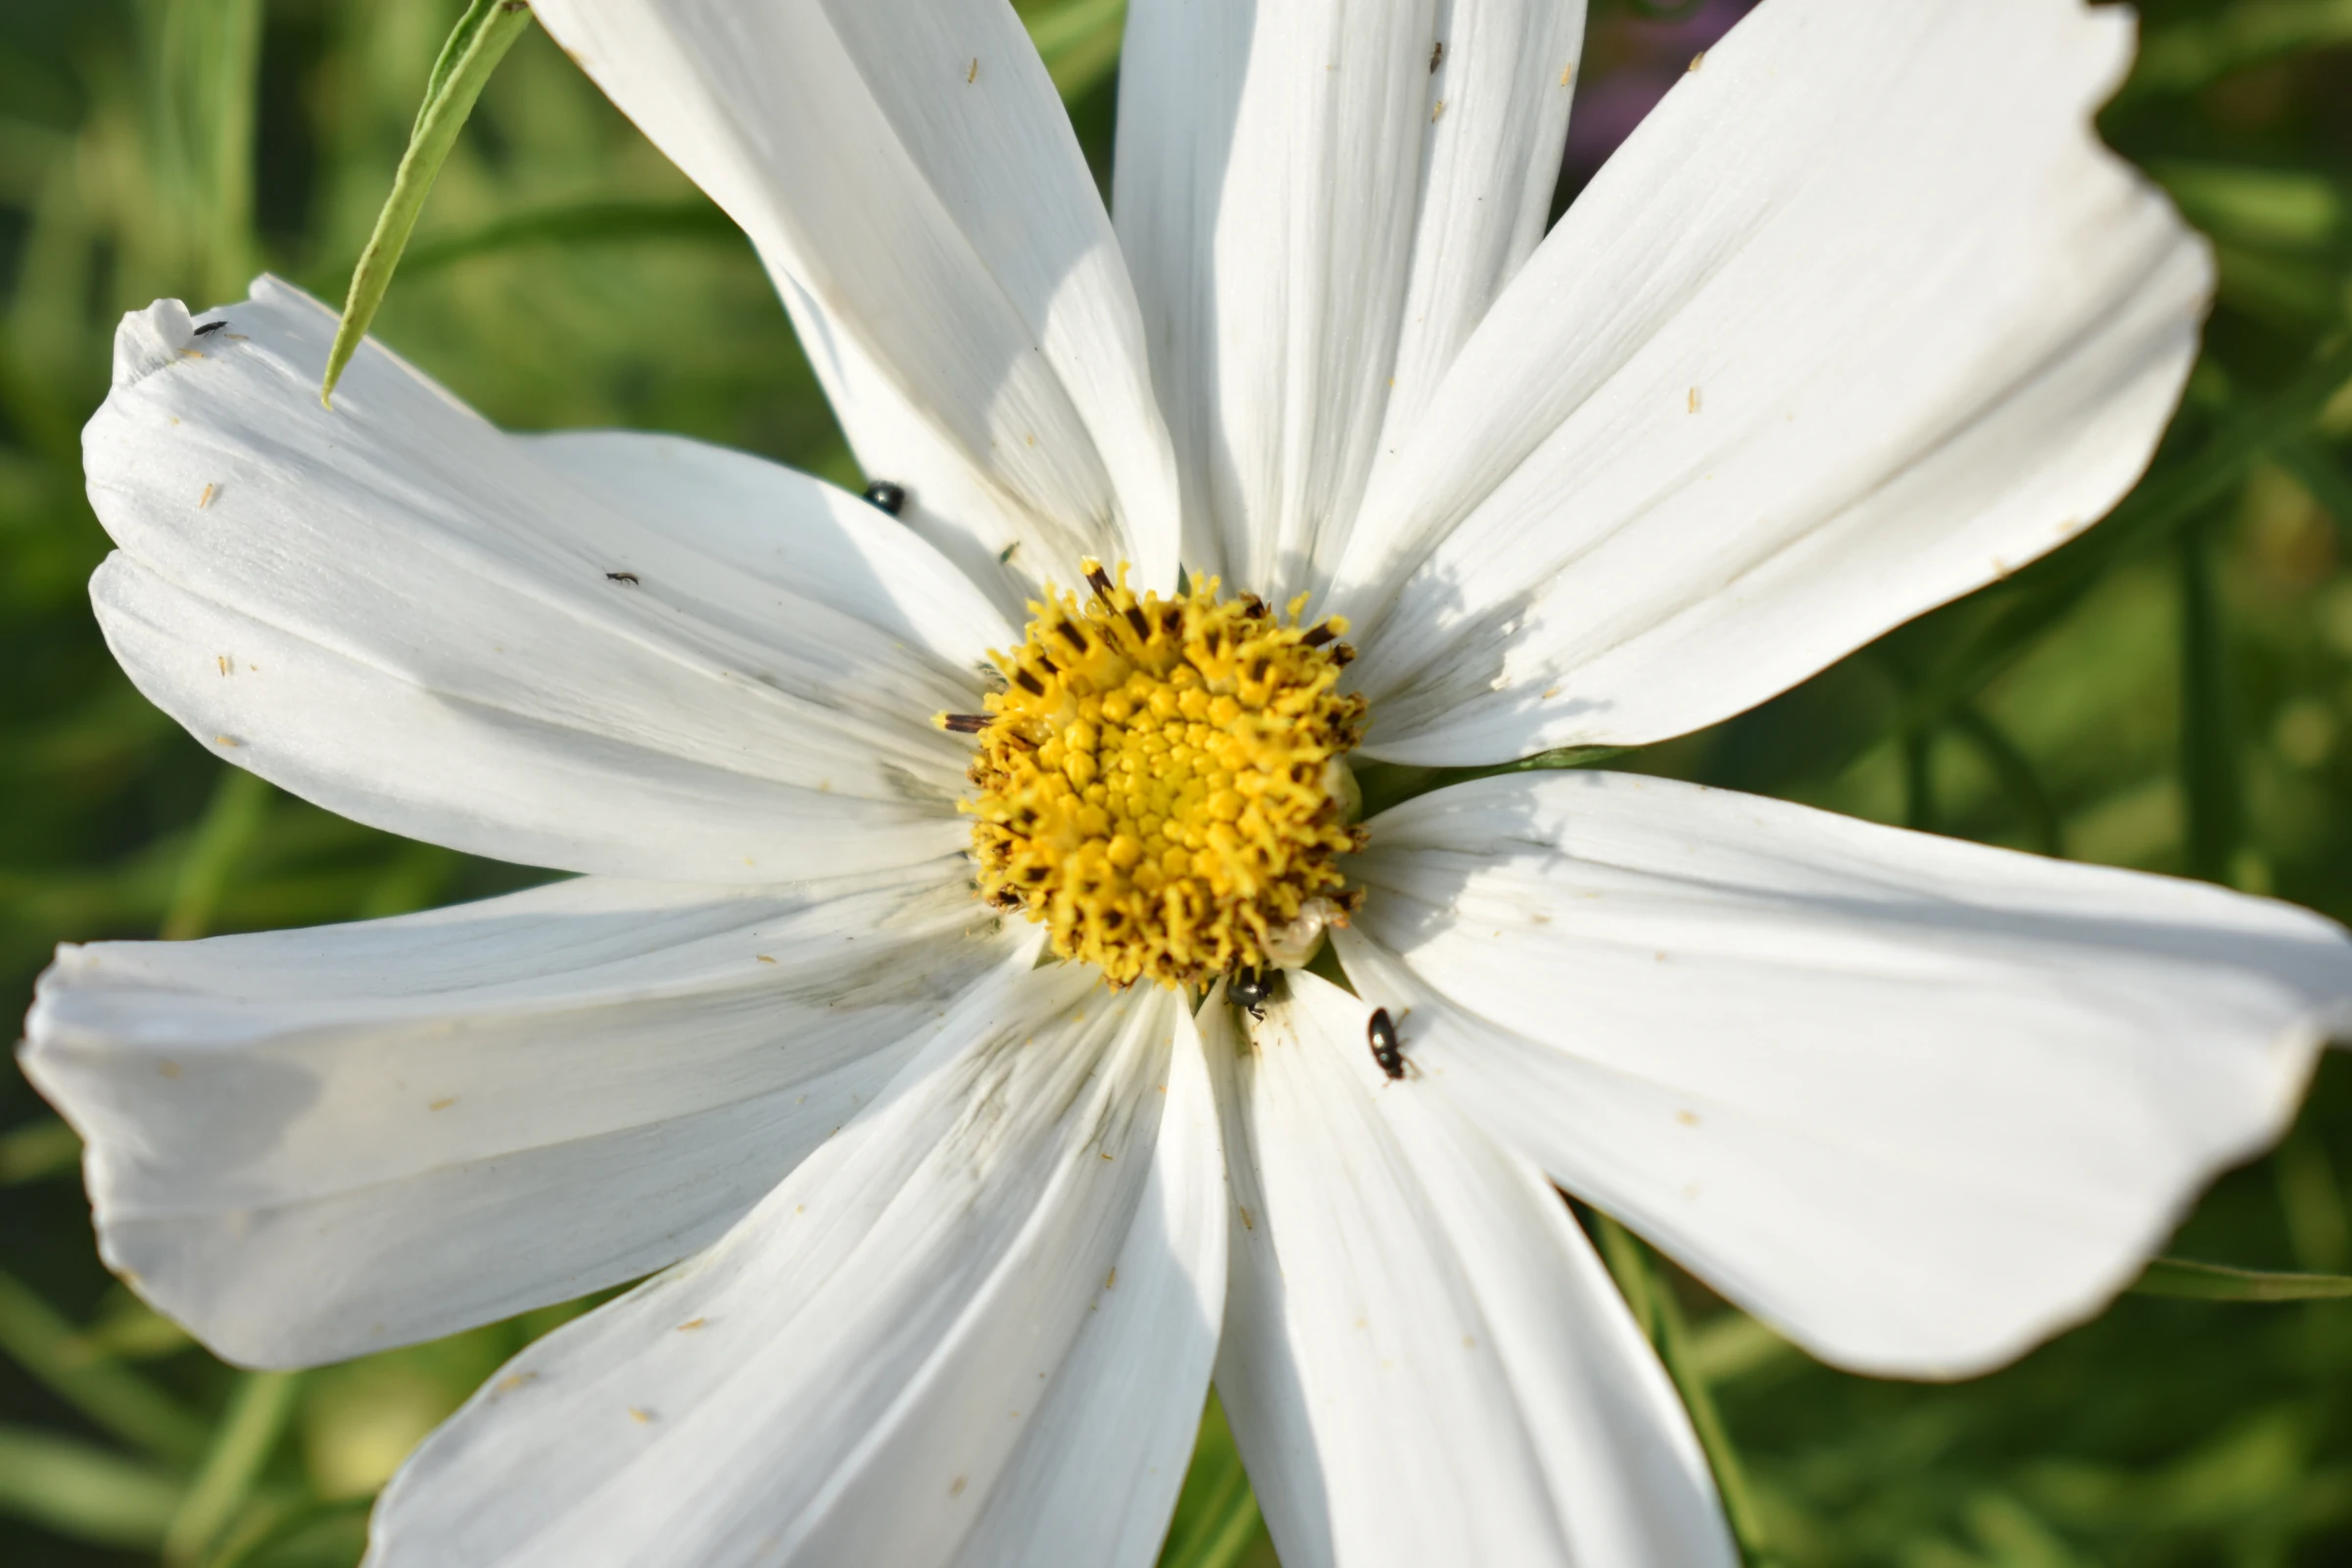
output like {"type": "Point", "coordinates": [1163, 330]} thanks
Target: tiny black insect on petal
{"type": "Point", "coordinates": [209, 326]}
{"type": "Point", "coordinates": [1437, 55]}
{"type": "Point", "coordinates": [1386, 1050]}
{"type": "Point", "coordinates": [889, 497]}
{"type": "Point", "coordinates": [630, 578]}
{"type": "Point", "coordinates": [1250, 987]}
{"type": "Point", "coordinates": [1253, 989]}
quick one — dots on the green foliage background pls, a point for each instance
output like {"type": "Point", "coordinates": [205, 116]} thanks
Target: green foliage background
{"type": "Point", "coordinates": [2172, 692]}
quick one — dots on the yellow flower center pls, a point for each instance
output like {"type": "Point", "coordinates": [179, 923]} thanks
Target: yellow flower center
{"type": "Point", "coordinates": [1160, 783]}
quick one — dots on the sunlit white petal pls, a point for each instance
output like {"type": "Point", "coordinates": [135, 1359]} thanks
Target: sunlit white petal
{"type": "Point", "coordinates": [1312, 213]}
{"type": "Point", "coordinates": [1128, 1400]}
{"type": "Point", "coordinates": [852, 1371]}
{"type": "Point", "coordinates": [599, 653]}
{"type": "Point", "coordinates": [306, 1145]}
{"type": "Point", "coordinates": [908, 167]}
{"type": "Point", "coordinates": [1917, 1103]}
{"type": "Point", "coordinates": [1501, 86]}
{"type": "Point", "coordinates": [1425, 1362]}
{"type": "Point", "coordinates": [1861, 318]}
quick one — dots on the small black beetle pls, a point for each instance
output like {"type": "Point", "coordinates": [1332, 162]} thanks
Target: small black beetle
{"type": "Point", "coordinates": [1385, 1048]}
{"type": "Point", "coordinates": [1253, 989]}
{"type": "Point", "coordinates": [889, 497]}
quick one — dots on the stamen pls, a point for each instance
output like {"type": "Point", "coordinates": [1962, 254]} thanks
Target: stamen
{"type": "Point", "coordinates": [1169, 804]}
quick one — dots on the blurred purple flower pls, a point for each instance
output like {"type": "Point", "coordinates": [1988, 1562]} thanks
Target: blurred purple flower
{"type": "Point", "coordinates": [1629, 63]}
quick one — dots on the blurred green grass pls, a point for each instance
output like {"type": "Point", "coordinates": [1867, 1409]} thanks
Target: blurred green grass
{"type": "Point", "coordinates": [2174, 693]}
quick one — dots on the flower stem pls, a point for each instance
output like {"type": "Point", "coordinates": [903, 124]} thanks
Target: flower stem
{"type": "Point", "coordinates": [2209, 784]}
{"type": "Point", "coordinates": [2017, 775]}
{"type": "Point", "coordinates": [1651, 1295]}
{"type": "Point", "coordinates": [248, 1433]}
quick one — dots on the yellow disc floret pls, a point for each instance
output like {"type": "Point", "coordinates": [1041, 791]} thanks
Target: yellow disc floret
{"type": "Point", "coordinates": [1160, 783]}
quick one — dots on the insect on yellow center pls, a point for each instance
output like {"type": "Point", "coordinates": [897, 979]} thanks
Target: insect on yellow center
{"type": "Point", "coordinates": [1160, 784]}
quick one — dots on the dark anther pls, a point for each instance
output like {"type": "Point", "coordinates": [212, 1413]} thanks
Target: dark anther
{"type": "Point", "coordinates": [630, 578]}
{"type": "Point", "coordinates": [1171, 621]}
{"type": "Point", "coordinates": [1072, 635]}
{"type": "Point", "coordinates": [1100, 581]}
{"type": "Point", "coordinates": [1030, 683]}
{"type": "Point", "coordinates": [1049, 665]}
{"type": "Point", "coordinates": [209, 326]}
{"type": "Point", "coordinates": [889, 497]}
{"type": "Point", "coordinates": [1135, 618]}
{"type": "Point", "coordinates": [969, 723]}
{"type": "Point", "coordinates": [1343, 654]}
{"type": "Point", "coordinates": [1318, 636]}
{"type": "Point", "coordinates": [1253, 606]}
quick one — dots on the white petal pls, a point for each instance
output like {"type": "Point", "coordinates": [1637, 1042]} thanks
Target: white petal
{"type": "Point", "coordinates": [631, 655]}
{"type": "Point", "coordinates": [855, 1370]}
{"type": "Point", "coordinates": [908, 172]}
{"type": "Point", "coordinates": [796, 535]}
{"type": "Point", "coordinates": [1915, 1102]}
{"type": "Point", "coordinates": [1860, 319]}
{"type": "Point", "coordinates": [1498, 124]}
{"type": "Point", "coordinates": [1424, 1360]}
{"type": "Point", "coordinates": [1313, 214]}
{"type": "Point", "coordinates": [306, 1145]}
{"type": "Point", "coordinates": [1128, 1402]}
{"type": "Point", "coordinates": [993, 540]}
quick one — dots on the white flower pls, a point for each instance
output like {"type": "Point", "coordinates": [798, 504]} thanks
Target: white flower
{"type": "Point", "coordinates": [945, 1241]}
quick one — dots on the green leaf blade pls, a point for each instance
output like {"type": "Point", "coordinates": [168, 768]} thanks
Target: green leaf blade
{"type": "Point", "coordinates": [2185, 1279]}
{"type": "Point", "coordinates": [83, 1492]}
{"type": "Point", "coordinates": [477, 45]}
{"type": "Point", "coordinates": [109, 1393]}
